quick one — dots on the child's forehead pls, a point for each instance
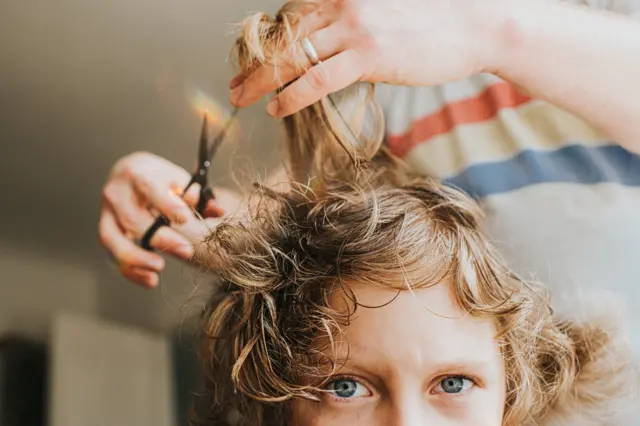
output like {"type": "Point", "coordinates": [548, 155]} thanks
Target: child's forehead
{"type": "Point", "coordinates": [437, 294]}
{"type": "Point", "coordinates": [425, 290]}
{"type": "Point", "coordinates": [423, 326]}
{"type": "Point", "coordinates": [423, 312]}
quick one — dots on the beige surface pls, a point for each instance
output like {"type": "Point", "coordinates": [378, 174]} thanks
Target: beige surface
{"type": "Point", "coordinates": [33, 286]}
{"type": "Point", "coordinates": [104, 375]}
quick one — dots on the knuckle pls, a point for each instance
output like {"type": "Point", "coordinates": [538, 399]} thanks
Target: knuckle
{"type": "Point", "coordinates": [127, 257]}
{"type": "Point", "coordinates": [171, 204]}
{"type": "Point", "coordinates": [110, 192]}
{"type": "Point", "coordinates": [318, 78]}
{"type": "Point", "coordinates": [144, 184]}
{"type": "Point", "coordinates": [129, 274]}
{"type": "Point", "coordinates": [125, 163]}
{"type": "Point", "coordinates": [131, 224]}
{"type": "Point", "coordinates": [105, 239]}
{"type": "Point", "coordinates": [129, 171]}
{"type": "Point", "coordinates": [287, 101]}
{"type": "Point", "coordinates": [352, 16]}
{"type": "Point", "coordinates": [133, 165]}
{"type": "Point", "coordinates": [367, 43]}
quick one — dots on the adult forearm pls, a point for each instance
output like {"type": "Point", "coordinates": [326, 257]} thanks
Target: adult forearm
{"type": "Point", "coordinates": [583, 60]}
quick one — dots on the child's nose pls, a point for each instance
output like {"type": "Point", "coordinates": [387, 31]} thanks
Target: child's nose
{"type": "Point", "coordinates": [412, 410]}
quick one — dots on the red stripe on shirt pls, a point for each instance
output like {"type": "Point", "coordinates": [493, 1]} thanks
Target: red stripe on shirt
{"type": "Point", "coordinates": [480, 108]}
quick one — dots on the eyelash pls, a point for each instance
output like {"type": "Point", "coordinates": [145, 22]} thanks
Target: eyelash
{"type": "Point", "coordinates": [351, 378]}
{"type": "Point", "coordinates": [474, 383]}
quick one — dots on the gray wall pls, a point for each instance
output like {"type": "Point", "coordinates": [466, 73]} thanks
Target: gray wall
{"type": "Point", "coordinates": [83, 82]}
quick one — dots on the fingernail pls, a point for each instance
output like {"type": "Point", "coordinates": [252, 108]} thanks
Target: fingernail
{"type": "Point", "coordinates": [213, 210]}
{"type": "Point", "coordinates": [181, 218]}
{"type": "Point", "coordinates": [152, 281]}
{"type": "Point", "coordinates": [177, 190]}
{"type": "Point", "coordinates": [184, 251]}
{"type": "Point", "coordinates": [236, 81]}
{"type": "Point", "coordinates": [236, 94]}
{"type": "Point", "coordinates": [217, 212]}
{"type": "Point", "coordinates": [273, 107]}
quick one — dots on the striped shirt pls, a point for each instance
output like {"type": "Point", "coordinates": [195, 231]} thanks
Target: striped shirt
{"type": "Point", "coordinates": [562, 199]}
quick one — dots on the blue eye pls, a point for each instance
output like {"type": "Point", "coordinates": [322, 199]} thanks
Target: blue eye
{"type": "Point", "coordinates": [347, 388]}
{"type": "Point", "coordinates": [454, 385]}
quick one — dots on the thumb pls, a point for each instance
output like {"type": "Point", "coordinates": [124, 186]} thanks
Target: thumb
{"type": "Point", "coordinates": [213, 210]}
{"type": "Point", "coordinates": [197, 231]}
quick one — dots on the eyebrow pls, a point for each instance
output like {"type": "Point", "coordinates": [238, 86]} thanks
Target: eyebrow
{"type": "Point", "coordinates": [460, 364]}
{"type": "Point", "coordinates": [463, 365]}
{"type": "Point", "coordinates": [435, 366]}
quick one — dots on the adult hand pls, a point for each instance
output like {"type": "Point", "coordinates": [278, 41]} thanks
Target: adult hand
{"type": "Point", "coordinates": [401, 42]}
{"type": "Point", "coordinates": [141, 182]}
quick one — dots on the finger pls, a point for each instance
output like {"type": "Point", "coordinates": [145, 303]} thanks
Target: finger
{"type": "Point", "coordinates": [313, 17]}
{"type": "Point", "coordinates": [266, 79]}
{"type": "Point", "coordinates": [236, 81]}
{"type": "Point", "coordinates": [199, 235]}
{"type": "Point", "coordinates": [136, 220]}
{"type": "Point", "coordinates": [124, 251]}
{"type": "Point", "coordinates": [163, 198]}
{"type": "Point", "coordinates": [192, 195]}
{"type": "Point", "coordinates": [126, 207]}
{"type": "Point", "coordinates": [167, 240]}
{"type": "Point", "coordinates": [144, 277]}
{"type": "Point", "coordinates": [211, 209]}
{"type": "Point", "coordinates": [323, 79]}
{"type": "Point", "coordinates": [198, 230]}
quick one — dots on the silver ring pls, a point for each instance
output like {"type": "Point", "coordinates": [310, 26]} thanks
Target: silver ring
{"type": "Point", "coordinates": [310, 51]}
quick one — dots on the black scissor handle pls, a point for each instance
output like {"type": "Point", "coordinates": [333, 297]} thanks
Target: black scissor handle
{"type": "Point", "coordinates": [206, 194]}
{"type": "Point", "coordinates": [145, 241]}
{"type": "Point", "coordinates": [206, 153]}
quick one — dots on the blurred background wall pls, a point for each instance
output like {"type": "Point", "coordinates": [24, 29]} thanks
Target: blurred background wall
{"type": "Point", "coordinates": [82, 83]}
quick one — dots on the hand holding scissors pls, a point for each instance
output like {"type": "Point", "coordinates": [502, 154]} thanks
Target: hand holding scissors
{"type": "Point", "coordinates": [206, 153]}
{"type": "Point", "coordinates": [142, 186]}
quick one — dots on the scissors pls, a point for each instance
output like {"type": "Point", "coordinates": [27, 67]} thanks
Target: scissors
{"type": "Point", "coordinates": [206, 152]}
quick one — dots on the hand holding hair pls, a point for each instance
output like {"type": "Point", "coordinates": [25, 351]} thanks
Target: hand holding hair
{"type": "Point", "coordinates": [554, 49]}
{"type": "Point", "coordinates": [402, 42]}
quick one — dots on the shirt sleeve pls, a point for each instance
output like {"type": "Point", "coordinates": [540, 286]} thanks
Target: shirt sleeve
{"type": "Point", "coordinates": [625, 7]}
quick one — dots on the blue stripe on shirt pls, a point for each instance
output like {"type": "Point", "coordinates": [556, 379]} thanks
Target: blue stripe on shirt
{"type": "Point", "coordinates": [570, 164]}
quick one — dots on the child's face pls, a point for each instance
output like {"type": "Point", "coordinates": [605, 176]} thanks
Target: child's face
{"type": "Point", "coordinates": [416, 361]}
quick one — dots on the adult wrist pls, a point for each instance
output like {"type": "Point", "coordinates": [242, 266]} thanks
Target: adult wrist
{"type": "Point", "coordinates": [513, 29]}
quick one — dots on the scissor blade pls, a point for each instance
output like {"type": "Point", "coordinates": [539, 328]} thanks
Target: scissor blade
{"type": "Point", "coordinates": [203, 152]}
{"type": "Point", "coordinates": [217, 141]}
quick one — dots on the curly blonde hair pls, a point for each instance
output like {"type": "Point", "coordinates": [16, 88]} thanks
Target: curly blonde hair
{"type": "Point", "coordinates": [371, 220]}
